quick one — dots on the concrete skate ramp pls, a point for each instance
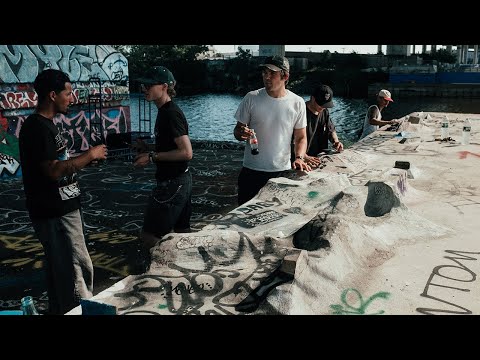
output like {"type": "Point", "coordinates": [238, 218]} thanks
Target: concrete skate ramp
{"type": "Point", "coordinates": [370, 238]}
{"type": "Point", "coordinates": [283, 205]}
{"type": "Point", "coordinates": [208, 272]}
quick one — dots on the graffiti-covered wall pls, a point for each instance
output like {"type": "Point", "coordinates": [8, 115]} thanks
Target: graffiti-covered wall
{"type": "Point", "coordinates": [99, 76]}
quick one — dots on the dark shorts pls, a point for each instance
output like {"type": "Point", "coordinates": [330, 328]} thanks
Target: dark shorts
{"type": "Point", "coordinates": [169, 206]}
{"type": "Point", "coordinates": [251, 181]}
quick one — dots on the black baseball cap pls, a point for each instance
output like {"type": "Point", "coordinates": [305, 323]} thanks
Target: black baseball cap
{"type": "Point", "coordinates": [276, 63]}
{"type": "Point", "coordinates": [157, 75]}
{"type": "Point", "coordinates": [323, 95]}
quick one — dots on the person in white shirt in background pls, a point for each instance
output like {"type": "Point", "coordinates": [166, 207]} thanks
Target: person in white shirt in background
{"type": "Point", "coordinates": [373, 118]}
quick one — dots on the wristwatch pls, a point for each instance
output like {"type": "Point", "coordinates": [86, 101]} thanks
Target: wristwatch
{"type": "Point", "coordinates": [150, 156]}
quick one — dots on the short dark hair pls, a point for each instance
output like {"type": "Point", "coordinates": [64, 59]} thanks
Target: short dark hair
{"type": "Point", "coordinates": [50, 80]}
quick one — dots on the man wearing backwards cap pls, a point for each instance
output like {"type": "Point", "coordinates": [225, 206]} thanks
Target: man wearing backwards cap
{"type": "Point", "coordinates": [320, 128]}
{"type": "Point", "coordinates": [169, 206]}
{"type": "Point", "coordinates": [276, 114]}
{"type": "Point", "coordinates": [373, 118]}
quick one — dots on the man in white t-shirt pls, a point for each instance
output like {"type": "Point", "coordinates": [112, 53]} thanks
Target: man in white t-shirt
{"type": "Point", "coordinates": [274, 114]}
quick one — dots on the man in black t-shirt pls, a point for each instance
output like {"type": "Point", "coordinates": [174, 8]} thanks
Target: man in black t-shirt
{"type": "Point", "coordinates": [169, 206]}
{"type": "Point", "coordinates": [320, 128]}
{"type": "Point", "coordinates": [53, 195]}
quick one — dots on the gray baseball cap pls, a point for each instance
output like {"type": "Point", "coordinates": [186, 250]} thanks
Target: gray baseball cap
{"type": "Point", "coordinates": [276, 63]}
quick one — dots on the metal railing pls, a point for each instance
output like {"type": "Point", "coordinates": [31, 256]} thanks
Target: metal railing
{"type": "Point", "coordinates": [144, 116]}
{"type": "Point", "coordinates": [95, 104]}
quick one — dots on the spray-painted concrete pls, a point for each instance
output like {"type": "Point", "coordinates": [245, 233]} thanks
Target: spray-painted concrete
{"type": "Point", "coordinates": [390, 240]}
{"type": "Point", "coordinates": [99, 76]}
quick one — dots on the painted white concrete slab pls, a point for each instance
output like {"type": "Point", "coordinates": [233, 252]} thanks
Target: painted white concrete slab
{"type": "Point", "coordinates": [417, 251]}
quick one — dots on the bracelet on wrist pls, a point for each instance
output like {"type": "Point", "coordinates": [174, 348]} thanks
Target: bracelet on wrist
{"type": "Point", "coordinates": [150, 156]}
{"type": "Point", "coordinates": [299, 157]}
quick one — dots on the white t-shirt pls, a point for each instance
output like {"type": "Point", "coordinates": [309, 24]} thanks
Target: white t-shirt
{"type": "Point", "coordinates": [367, 127]}
{"type": "Point", "coordinates": [273, 120]}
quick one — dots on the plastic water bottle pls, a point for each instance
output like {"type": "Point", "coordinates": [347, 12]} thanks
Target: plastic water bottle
{"type": "Point", "coordinates": [467, 127]}
{"type": "Point", "coordinates": [28, 308]}
{"type": "Point", "coordinates": [254, 143]}
{"type": "Point", "coordinates": [445, 127]}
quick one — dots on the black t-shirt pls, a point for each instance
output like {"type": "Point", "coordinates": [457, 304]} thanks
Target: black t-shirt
{"type": "Point", "coordinates": [39, 141]}
{"type": "Point", "coordinates": [318, 134]}
{"type": "Point", "coordinates": [170, 124]}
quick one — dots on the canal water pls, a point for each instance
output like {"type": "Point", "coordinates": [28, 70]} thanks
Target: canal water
{"type": "Point", "coordinates": [211, 116]}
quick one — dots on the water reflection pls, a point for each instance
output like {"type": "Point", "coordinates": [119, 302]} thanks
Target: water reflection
{"type": "Point", "coordinates": [210, 116]}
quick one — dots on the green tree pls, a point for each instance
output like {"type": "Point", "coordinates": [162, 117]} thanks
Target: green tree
{"type": "Point", "coordinates": [243, 54]}
{"type": "Point", "coordinates": [321, 61]}
{"type": "Point", "coordinates": [124, 49]}
{"type": "Point", "coordinates": [348, 77]}
{"type": "Point", "coordinates": [142, 57]}
{"type": "Point", "coordinates": [446, 56]}
{"type": "Point", "coordinates": [441, 55]}
{"type": "Point", "coordinates": [349, 62]}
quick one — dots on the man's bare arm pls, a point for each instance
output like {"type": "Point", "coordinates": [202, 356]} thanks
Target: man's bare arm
{"type": "Point", "coordinates": [56, 169]}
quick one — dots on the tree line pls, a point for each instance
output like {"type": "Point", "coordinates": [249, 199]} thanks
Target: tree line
{"type": "Point", "coordinates": [241, 74]}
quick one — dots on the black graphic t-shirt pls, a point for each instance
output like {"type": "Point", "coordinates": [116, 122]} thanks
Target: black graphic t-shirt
{"type": "Point", "coordinates": [40, 141]}
{"type": "Point", "coordinates": [170, 124]}
{"type": "Point", "coordinates": [319, 131]}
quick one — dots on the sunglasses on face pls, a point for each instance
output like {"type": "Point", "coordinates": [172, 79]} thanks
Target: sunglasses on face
{"type": "Point", "coordinates": [145, 87]}
{"type": "Point", "coordinates": [266, 72]}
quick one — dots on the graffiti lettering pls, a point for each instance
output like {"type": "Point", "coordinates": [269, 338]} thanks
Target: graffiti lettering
{"type": "Point", "coordinates": [116, 264]}
{"type": "Point", "coordinates": [112, 237]}
{"type": "Point", "coordinates": [215, 289]}
{"type": "Point", "coordinates": [257, 206]}
{"type": "Point", "coordinates": [194, 241]}
{"type": "Point", "coordinates": [443, 273]}
{"type": "Point", "coordinates": [22, 63]}
{"type": "Point", "coordinates": [259, 219]}
{"type": "Point", "coordinates": [348, 308]}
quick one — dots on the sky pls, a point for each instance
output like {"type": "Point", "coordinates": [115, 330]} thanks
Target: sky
{"type": "Point", "coordinates": [359, 49]}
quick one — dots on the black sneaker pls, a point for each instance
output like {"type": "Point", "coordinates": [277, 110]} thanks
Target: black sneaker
{"type": "Point", "coordinates": [141, 263]}
{"type": "Point", "coordinates": [259, 294]}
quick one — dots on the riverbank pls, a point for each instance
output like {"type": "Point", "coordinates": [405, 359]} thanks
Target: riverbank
{"type": "Point", "coordinates": [453, 91]}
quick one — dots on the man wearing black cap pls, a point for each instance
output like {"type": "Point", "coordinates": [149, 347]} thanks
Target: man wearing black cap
{"type": "Point", "coordinates": [320, 128]}
{"type": "Point", "coordinates": [169, 206]}
{"type": "Point", "coordinates": [274, 114]}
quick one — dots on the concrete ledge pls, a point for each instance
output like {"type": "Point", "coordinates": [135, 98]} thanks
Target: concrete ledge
{"type": "Point", "coordinates": [394, 244]}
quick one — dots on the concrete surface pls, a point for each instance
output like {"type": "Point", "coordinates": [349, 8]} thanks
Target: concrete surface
{"type": "Point", "coordinates": [386, 240]}
{"type": "Point", "coordinates": [114, 198]}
